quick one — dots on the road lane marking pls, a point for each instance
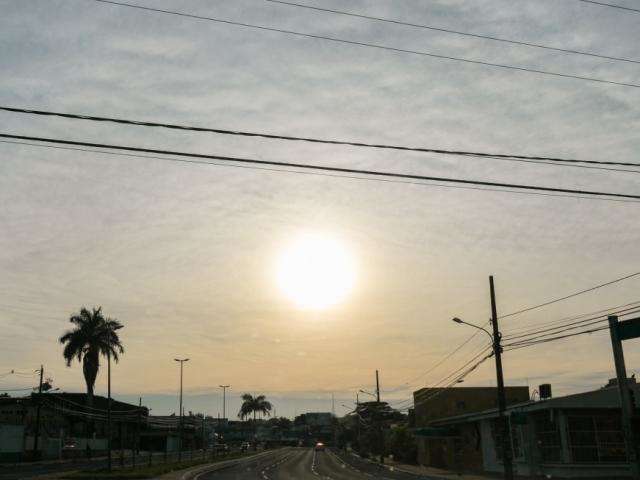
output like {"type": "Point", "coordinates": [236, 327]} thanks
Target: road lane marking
{"type": "Point", "coordinates": [279, 462]}
{"type": "Point", "coordinates": [226, 464]}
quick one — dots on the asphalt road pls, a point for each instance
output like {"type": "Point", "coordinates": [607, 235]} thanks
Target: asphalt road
{"type": "Point", "coordinates": [303, 464]}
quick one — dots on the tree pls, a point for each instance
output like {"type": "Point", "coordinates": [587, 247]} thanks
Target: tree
{"type": "Point", "coordinates": [93, 335]}
{"type": "Point", "coordinates": [283, 423]}
{"type": "Point", "coordinates": [402, 444]}
{"type": "Point", "coordinates": [253, 405]}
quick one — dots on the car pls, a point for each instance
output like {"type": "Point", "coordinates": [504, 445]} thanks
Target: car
{"type": "Point", "coordinates": [70, 444]}
{"type": "Point", "coordinates": [245, 446]}
{"type": "Point", "coordinates": [319, 447]}
{"type": "Point", "coordinates": [221, 448]}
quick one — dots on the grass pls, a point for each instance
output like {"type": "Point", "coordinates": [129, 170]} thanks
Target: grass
{"type": "Point", "coordinates": [144, 471]}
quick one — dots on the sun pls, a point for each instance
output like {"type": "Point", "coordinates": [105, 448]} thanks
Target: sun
{"type": "Point", "coordinates": [316, 271]}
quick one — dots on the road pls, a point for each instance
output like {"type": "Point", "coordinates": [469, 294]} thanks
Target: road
{"type": "Point", "coordinates": [303, 464]}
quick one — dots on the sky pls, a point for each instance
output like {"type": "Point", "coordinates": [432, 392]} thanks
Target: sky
{"type": "Point", "coordinates": [185, 256]}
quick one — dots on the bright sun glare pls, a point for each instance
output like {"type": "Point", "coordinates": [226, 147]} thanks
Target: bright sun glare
{"type": "Point", "coordinates": [316, 271]}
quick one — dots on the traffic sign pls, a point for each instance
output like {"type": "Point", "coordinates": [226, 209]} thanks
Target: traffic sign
{"type": "Point", "coordinates": [628, 329]}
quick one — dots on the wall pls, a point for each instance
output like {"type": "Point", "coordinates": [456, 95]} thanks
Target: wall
{"type": "Point", "coordinates": [11, 443]}
{"type": "Point", "coordinates": [451, 402]}
{"type": "Point", "coordinates": [436, 403]}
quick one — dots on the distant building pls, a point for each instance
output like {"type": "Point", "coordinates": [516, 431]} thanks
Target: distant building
{"type": "Point", "coordinates": [576, 436]}
{"type": "Point", "coordinates": [318, 419]}
{"type": "Point", "coordinates": [314, 427]}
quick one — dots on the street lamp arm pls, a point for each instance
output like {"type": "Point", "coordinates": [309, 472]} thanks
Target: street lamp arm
{"type": "Point", "coordinates": [478, 327]}
{"type": "Point", "coordinates": [368, 393]}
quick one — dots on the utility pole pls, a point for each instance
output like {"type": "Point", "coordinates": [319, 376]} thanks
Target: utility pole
{"type": "Point", "coordinates": [224, 400]}
{"type": "Point", "coordinates": [204, 447]}
{"type": "Point", "coordinates": [181, 413]}
{"type": "Point", "coordinates": [626, 404]}
{"type": "Point", "coordinates": [136, 445]}
{"type": "Point", "coordinates": [108, 399]}
{"type": "Point", "coordinates": [358, 420]}
{"type": "Point", "coordinates": [378, 412]}
{"type": "Point", "coordinates": [502, 401]}
{"type": "Point", "coordinates": [333, 420]}
{"type": "Point", "coordinates": [37, 433]}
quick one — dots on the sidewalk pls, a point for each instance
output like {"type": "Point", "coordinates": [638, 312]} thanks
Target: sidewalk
{"type": "Point", "coordinates": [436, 473]}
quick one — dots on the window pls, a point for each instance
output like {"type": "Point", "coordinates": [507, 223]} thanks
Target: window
{"type": "Point", "coordinates": [596, 439]}
{"type": "Point", "coordinates": [548, 438]}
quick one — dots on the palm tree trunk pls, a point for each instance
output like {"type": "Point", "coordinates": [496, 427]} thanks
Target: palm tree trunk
{"type": "Point", "coordinates": [90, 366]}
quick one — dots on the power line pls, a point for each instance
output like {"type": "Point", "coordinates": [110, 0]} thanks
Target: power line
{"type": "Point", "coordinates": [612, 311]}
{"type": "Point", "coordinates": [439, 390]}
{"type": "Point", "coordinates": [612, 5]}
{"type": "Point", "coordinates": [528, 309]}
{"type": "Point", "coordinates": [564, 328]}
{"type": "Point", "coordinates": [439, 151]}
{"type": "Point", "coordinates": [374, 173]}
{"type": "Point", "coordinates": [443, 359]}
{"type": "Point", "coordinates": [562, 321]}
{"type": "Point", "coordinates": [456, 32]}
{"type": "Point", "coordinates": [299, 172]}
{"type": "Point", "coordinates": [516, 346]}
{"type": "Point", "coordinates": [372, 45]}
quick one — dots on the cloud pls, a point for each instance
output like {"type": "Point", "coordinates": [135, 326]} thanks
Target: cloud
{"type": "Point", "coordinates": [182, 254]}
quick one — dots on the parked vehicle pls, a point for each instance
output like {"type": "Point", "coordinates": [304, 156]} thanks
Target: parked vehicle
{"type": "Point", "coordinates": [221, 448]}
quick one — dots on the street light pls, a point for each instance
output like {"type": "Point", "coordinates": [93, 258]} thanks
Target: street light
{"type": "Point", "coordinates": [457, 320]}
{"type": "Point", "coordinates": [224, 400]}
{"type": "Point", "coordinates": [180, 426]}
{"type": "Point", "coordinates": [368, 393]}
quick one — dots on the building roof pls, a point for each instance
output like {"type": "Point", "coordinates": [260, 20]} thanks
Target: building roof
{"type": "Point", "coordinates": [601, 399]}
{"type": "Point", "coordinates": [75, 401]}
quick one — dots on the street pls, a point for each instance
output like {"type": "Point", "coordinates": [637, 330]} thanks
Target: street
{"type": "Point", "coordinates": [301, 464]}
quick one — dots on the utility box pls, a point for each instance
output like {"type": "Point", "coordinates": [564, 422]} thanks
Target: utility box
{"type": "Point", "coordinates": [545, 391]}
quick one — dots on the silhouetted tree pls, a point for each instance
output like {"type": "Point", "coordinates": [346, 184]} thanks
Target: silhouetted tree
{"type": "Point", "coordinates": [253, 405]}
{"type": "Point", "coordinates": [93, 335]}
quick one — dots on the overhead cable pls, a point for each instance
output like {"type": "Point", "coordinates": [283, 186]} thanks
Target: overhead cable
{"type": "Point", "coordinates": [612, 5]}
{"type": "Point", "coordinates": [321, 174]}
{"type": "Point", "coordinates": [456, 32]}
{"type": "Point", "coordinates": [591, 289]}
{"type": "Point", "coordinates": [439, 151]}
{"type": "Point", "coordinates": [199, 159]}
{"type": "Point", "coordinates": [372, 45]}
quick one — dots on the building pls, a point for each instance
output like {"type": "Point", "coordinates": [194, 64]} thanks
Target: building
{"type": "Point", "coordinates": [68, 425]}
{"type": "Point", "coordinates": [431, 404]}
{"type": "Point", "coordinates": [312, 427]}
{"type": "Point", "coordinates": [575, 436]}
{"type": "Point", "coordinates": [162, 433]}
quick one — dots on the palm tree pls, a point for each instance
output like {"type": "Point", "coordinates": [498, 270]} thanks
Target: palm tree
{"type": "Point", "coordinates": [251, 404]}
{"type": "Point", "coordinates": [93, 335]}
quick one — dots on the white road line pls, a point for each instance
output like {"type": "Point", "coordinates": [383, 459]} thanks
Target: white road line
{"type": "Point", "coordinates": [280, 461]}
{"type": "Point", "coordinates": [225, 463]}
